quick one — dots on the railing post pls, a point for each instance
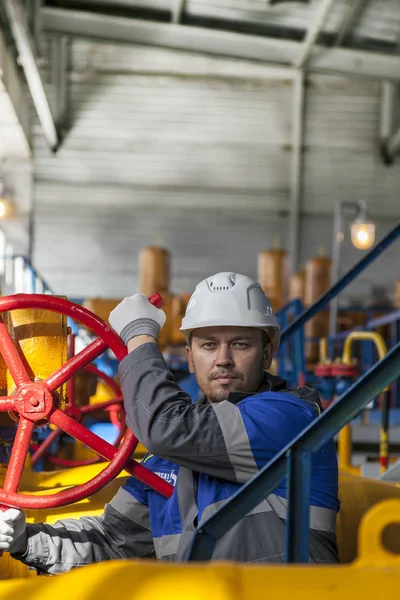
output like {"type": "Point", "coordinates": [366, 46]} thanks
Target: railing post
{"type": "Point", "coordinates": [298, 510]}
{"type": "Point", "coordinates": [203, 547]}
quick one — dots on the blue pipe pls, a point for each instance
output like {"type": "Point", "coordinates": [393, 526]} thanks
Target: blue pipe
{"type": "Point", "coordinates": [342, 283]}
{"type": "Point", "coordinates": [308, 441]}
{"type": "Point", "coordinates": [291, 357]}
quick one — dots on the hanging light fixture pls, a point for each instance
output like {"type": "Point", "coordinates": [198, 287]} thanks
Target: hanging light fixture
{"type": "Point", "coordinates": [362, 229]}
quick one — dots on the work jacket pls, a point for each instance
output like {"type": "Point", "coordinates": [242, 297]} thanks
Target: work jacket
{"type": "Point", "coordinates": [206, 452]}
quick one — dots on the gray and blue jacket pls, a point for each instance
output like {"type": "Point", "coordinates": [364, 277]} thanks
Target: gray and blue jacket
{"type": "Point", "coordinates": [206, 451]}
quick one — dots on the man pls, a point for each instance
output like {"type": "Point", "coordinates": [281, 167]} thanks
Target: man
{"type": "Point", "coordinates": [207, 450]}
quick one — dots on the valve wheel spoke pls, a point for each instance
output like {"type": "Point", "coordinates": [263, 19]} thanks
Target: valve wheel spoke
{"type": "Point", "coordinates": [77, 362]}
{"type": "Point", "coordinates": [83, 435]}
{"type": "Point", "coordinates": [122, 429]}
{"type": "Point", "coordinates": [45, 445]}
{"type": "Point", "coordinates": [7, 403]}
{"type": "Point", "coordinates": [11, 356]}
{"type": "Point", "coordinates": [89, 408]}
{"type": "Point", "coordinates": [18, 455]}
{"type": "Point", "coordinates": [107, 451]}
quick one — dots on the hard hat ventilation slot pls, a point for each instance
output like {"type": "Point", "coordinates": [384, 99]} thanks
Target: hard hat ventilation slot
{"type": "Point", "coordinates": [219, 288]}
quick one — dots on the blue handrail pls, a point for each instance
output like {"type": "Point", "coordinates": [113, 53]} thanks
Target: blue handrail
{"type": "Point", "coordinates": [35, 276]}
{"type": "Point", "coordinates": [292, 363]}
{"type": "Point", "coordinates": [297, 456]}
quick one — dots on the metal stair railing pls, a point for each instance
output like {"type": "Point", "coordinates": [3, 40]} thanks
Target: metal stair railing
{"type": "Point", "coordinates": [296, 457]}
{"type": "Point", "coordinates": [20, 277]}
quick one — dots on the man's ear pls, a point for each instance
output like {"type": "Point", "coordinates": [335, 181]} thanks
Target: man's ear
{"type": "Point", "coordinates": [189, 357]}
{"type": "Point", "coordinates": [268, 354]}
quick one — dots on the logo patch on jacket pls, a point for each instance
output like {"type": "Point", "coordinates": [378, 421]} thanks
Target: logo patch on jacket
{"type": "Point", "coordinates": [169, 477]}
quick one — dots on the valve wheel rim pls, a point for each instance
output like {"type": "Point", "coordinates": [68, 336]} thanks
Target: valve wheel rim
{"type": "Point", "coordinates": [34, 400]}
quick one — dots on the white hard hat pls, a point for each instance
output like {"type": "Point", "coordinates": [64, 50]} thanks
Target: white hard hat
{"type": "Point", "coordinates": [230, 299]}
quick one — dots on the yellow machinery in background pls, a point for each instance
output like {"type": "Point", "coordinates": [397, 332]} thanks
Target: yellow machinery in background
{"type": "Point", "coordinates": [154, 274]}
{"type": "Point", "coordinates": [273, 275]}
{"type": "Point", "coordinates": [308, 285]}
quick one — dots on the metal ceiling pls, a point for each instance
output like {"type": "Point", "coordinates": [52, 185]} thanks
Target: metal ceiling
{"type": "Point", "coordinates": [355, 38]}
{"type": "Point", "coordinates": [367, 24]}
{"type": "Point", "coordinates": [350, 37]}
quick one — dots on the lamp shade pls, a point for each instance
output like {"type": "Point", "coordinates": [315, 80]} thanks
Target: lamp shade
{"type": "Point", "coordinates": [362, 234]}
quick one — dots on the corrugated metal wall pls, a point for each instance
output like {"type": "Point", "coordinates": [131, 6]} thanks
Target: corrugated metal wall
{"type": "Point", "coordinates": [193, 151]}
{"type": "Point", "coordinates": [154, 152]}
{"type": "Point", "coordinates": [341, 159]}
{"type": "Point", "coordinates": [17, 177]}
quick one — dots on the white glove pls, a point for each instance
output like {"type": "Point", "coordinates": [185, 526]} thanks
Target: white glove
{"type": "Point", "coordinates": [12, 530]}
{"type": "Point", "coordinates": [136, 315]}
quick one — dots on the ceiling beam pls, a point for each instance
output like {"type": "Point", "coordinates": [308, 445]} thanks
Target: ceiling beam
{"type": "Point", "coordinates": [60, 51]}
{"type": "Point", "coordinates": [315, 28]}
{"type": "Point", "coordinates": [352, 15]}
{"type": "Point", "coordinates": [178, 6]}
{"type": "Point", "coordinates": [391, 148]}
{"type": "Point", "coordinates": [162, 5]}
{"type": "Point", "coordinates": [219, 43]}
{"type": "Point", "coordinates": [14, 109]}
{"type": "Point", "coordinates": [27, 58]}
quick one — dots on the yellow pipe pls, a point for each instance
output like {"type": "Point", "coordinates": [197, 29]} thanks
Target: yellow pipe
{"type": "Point", "coordinates": [345, 448]}
{"type": "Point", "coordinates": [323, 350]}
{"type": "Point", "coordinates": [357, 336]}
{"type": "Point", "coordinates": [384, 450]}
{"type": "Point", "coordinates": [345, 444]}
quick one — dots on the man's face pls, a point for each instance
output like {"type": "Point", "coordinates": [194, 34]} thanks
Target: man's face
{"type": "Point", "coordinates": [228, 359]}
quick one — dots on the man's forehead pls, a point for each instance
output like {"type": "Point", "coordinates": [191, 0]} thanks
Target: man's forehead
{"type": "Point", "coordinates": [226, 333]}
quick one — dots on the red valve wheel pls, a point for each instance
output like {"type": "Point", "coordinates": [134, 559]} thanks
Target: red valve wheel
{"type": "Point", "coordinates": [113, 406]}
{"type": "Point", "coordinates": [36, 401]}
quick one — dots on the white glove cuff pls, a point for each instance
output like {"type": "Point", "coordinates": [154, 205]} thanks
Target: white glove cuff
{"type": "Point", "coordinates": [139, 327]}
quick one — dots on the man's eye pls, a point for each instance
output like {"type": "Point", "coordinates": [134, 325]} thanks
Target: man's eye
{"type": "Point", "coordinates": [208, 345]}
{"type": "Point", "coordinates": [241, 345]}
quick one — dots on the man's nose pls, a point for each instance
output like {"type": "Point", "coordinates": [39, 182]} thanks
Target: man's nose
{"type": "Point", "coordinates": [224, 356]}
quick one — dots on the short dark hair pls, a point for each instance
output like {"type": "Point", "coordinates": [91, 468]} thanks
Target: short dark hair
{"type": "Point", "coordinates": [265, 338]}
